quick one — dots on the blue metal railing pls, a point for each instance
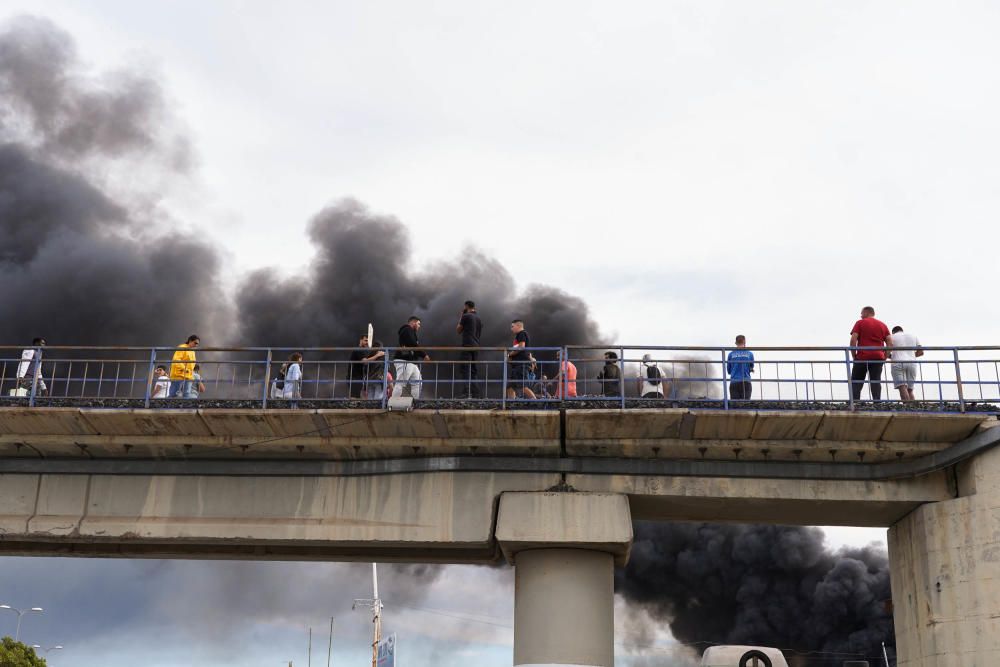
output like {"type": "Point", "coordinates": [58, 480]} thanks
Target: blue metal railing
{"type": "Point", "coordinates": [946, 378]}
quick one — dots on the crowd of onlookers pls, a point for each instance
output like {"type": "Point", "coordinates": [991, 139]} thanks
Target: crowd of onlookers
{"type": "Point", "coordinates": [371, 374]}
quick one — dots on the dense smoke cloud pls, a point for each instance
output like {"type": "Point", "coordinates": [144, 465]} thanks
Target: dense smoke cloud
{"type": "Point", "coordinates": [362, 272]}
{"type": "Point", "coordinates": [767, 585]}
{"type": "Point", "coordinates": [82, 262]}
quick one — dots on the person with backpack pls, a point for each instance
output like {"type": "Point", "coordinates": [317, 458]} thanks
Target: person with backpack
{"type": "Point", "coordinates": [739, 366]}
{"type": "Point", "coordinates": [610, 376]}
{"type": "Point", "coordinates": [650, 380]}
{"type": "Point", "coordinates": [29, 368]}
{"type": "Point", "coordinates": [287, 383]}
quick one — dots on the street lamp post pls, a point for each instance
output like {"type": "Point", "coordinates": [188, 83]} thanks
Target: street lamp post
{"type": "Point", "coordinates": [20, 613]}
{"type": "Point", "coordinates": [51, 648]}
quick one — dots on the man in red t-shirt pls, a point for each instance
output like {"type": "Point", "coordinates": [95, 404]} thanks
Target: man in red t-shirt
{"type": "Point", "coordinates": [868, 332]}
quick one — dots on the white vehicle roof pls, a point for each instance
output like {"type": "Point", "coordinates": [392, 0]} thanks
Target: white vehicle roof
{"type": "Point", "coordinates": [729, 656]}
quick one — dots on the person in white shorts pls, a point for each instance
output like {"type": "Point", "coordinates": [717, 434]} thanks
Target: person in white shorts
{"type": "Point", "coordinates": [904, 367]}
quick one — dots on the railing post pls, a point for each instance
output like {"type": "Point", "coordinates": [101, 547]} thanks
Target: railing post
{"type": "Point", "coordinates": [564, 373]}
{"type": "Point", "coordinates": [149, 377]}
{"type": "Point", "coordinates": [503, 385]}
{"type": "Point", "coordinates": [725, 385]}
{"type": "Point", "coordinates": [36, 361]}
{"type": "Point", "coordinates": [621, 373]}
{"type": "Point", "coordinates": [850, 384]}
{"type": "Point", "coordinates": [267, 378]}
{"type": "Point", "coordinates": [958, 381]}
{"type": "Point", "coordinates": [385, 378]}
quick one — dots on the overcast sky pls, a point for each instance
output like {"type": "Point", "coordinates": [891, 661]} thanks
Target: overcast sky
{"type": "Point", "coordinates": [691, 169]}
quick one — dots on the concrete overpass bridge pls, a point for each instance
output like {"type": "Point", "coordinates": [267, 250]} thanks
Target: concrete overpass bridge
{"type": "Point", "coordinates": [94, 463]}
{"type": "Point", "coordinates": [553, 491]}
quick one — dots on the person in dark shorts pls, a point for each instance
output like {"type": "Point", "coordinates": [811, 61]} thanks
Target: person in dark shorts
{"type": "Point", "coordinates": [610, 376]}
{"type": "Point", "coordinates": [739, 365]}
{"type": "Point", "coordinates": [470, 328]}
{"type": "Point", "coordinates": [868, 332]}
{"type": "Point", "coordinates": [520, 360]}
{"type": "Point", "coordinates": [357, 369]}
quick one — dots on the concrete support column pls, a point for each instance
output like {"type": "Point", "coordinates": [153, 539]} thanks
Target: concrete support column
{"type": "Point", "coordinates": [945, 568]}
{"type": "Point", "coordinates": [564, 608]}
{"type": "Point", "coordinates": [564, 547]}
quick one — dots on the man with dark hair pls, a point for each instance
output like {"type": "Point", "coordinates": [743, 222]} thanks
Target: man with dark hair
{"type": "Point", "coordinates": [470, 328]}
{"type": "Point", "coordinates": [520, 361]}
{"type": "Point", "coordinates": [868, 332]}
{"type": "Point", "coordinates": [904, 365]}
{"type": "Point", "coordinates": [357, 368]}
{"type": "Point", "coordinates": [29, 368]}
{"type": "Point", "coordinates": [405, 358]}
{"type": "Point", "coordinates": [739, 365]}
{"type": "Point", "coordinates": [182, 368]}
{"type": "Point", "coordinates": [610, 376]}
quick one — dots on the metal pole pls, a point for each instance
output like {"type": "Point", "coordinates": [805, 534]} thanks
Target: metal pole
{"type": "Point", "coordinates": [149, 376]}
{"type": "Point", "coordinates": [885, 655]}
{"type": "Point", "coordinates": [503, 387]}
{"type": "Point", "coordinates": [309, 659]}
{"type": "Point", "coordinates": [329, 646]}
{"type": "Point", "coordinates": [621, 373]}
{"type": "Point", "coordinates": [17, 633]}
{"type": "Point", "coordinates": [725, 389]}
{"type": "Point", "coordinates": [958, 381]}
{"type": "Point", "coordinates": [850, 384]}
{"type": "Point", "coordinates": [267, 378]}
{"type": "Point", "coordinates": [36, 361]}
{"type": "Point", "coordinates": [385, 378]}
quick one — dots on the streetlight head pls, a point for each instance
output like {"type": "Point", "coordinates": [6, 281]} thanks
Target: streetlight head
{"type": "Point", "coordinates": [5, 606]}
{"type": "Point", "coordinates": [37, 609]}
{"type": "Point", "coordinates": [57, 648]}
{"type": "Point", "coordinates": [36, 646]}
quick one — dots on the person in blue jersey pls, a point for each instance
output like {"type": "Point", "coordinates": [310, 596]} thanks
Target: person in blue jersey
{"type": "Point", "coordinates": [739, 366]}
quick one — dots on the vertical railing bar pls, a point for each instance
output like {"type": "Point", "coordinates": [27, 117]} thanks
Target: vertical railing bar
{"type": "Point", "coordinates": [269, 358]}
{"type": "Point", "coordinates": [86, 372]}
{"type": "Point", "coordinates": [36, 359]}
{"type": "Point", "coordinates": [850, 383]}
{"type": "Point", "coordinates": [621, 375]}
{"type": "Point", "coordinates": [725, 385]}
{"type": "Point", "coordinates": [100, 379]}
{"type": "Point", "coordinates": [503, 387]}
{"type": "Point", "coordinates": [149, 377]}
{"type": "Point", "coordinates": [958, 381]}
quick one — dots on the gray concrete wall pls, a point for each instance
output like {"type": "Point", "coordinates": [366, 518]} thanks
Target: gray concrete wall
{"type": "Point", "coordinates": [945, 568]}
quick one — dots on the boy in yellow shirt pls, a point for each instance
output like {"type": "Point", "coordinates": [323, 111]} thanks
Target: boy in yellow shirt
{"type": "Point", "coordinates": [182, 369]}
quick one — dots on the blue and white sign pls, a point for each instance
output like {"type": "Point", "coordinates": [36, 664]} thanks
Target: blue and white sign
{"type": "Point", "coordinates": [387, 652]}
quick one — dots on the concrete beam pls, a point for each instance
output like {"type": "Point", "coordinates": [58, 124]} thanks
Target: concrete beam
{"type": "Point", "coordinates": [443, 517]}
{"type": "Point", "coordinates": [591, 521]}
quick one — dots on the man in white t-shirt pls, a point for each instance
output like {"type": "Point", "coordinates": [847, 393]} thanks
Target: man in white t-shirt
{"type": "Point", "coordinates": [904, 367]}
{"type": "Point", "coordinates": [160, 384]}
{"type": "Point", "coordinates": [652, 380]}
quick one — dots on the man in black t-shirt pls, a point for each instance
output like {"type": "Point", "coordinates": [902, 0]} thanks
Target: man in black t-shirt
{"type": "Point", "coordinates": [357, 371]}
{"type": "Point", "coordinates": [470, 328]}
{"type": "Point", "coordinates": [520, 361]}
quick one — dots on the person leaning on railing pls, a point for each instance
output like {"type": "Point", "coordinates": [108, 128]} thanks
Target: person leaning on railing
{"type": "Point", "coordinates": [182, 368]}
{"type": "Point", "coordinates": [407, 370]}
{"type": "Point", "coordinates": [610, 376]}
{"type": "Point", "coordinates": [29, 368]}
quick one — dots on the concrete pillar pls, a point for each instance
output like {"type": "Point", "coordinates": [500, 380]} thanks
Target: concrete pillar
{"type": "Point", "coordinates": [945, 567]}
{"type": "Point", "coordinates": [564, 608]}
{"type": "Point", "coordinates": [564, 547]}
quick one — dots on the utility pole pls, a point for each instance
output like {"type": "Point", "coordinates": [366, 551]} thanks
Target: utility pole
{"type": "Point", "coordinates": [375, 604]}
{"type": "Point", "coordinates": [329, 647]}
{"type": "Point", "coordinates": [310, 654]}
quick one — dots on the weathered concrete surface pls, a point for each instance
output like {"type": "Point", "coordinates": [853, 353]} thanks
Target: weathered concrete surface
{"type": "Point", "coordinates": [594, 521]}
{"type": "Point", "coordinates": [945, 571]}
{"type": "Point", "coordinates": [317, 434]}
{"type": "Point", "coordinates": [438, 517]}
{"type": "Point", "coordinates": [772, 435]}
{"type": "Point", "coordinates": [780, 501]}
{"type": "Point", "coordinates": [564, 608]}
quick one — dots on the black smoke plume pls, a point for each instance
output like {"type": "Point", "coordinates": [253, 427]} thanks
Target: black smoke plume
{"type": "Point", "coordinates": [83, 261]}
{"type": "Point", "coordinates": [363, 272]}
{"type": "Point", "coordinates": [766, 585]}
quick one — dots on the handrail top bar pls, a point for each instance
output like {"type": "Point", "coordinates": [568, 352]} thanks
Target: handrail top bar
{"type": "Point", "coordinates": [458, 348]}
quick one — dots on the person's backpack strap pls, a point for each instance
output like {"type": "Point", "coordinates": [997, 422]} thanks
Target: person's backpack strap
{"type": "Point", "coordinates": [653, 374]}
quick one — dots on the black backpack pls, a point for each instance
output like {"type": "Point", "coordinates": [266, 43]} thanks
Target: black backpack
{"type": "Point", "coordinates": [279, 382]}
{"type": "Point", "coordinates": [653, 375]}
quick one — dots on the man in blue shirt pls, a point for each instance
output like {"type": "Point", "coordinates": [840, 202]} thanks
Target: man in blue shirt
{"type": "Point", "coordinates": [739, 366]}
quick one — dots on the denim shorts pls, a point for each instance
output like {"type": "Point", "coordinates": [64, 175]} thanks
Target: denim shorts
{"type": "Point", "coordinates": [904, 375]}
